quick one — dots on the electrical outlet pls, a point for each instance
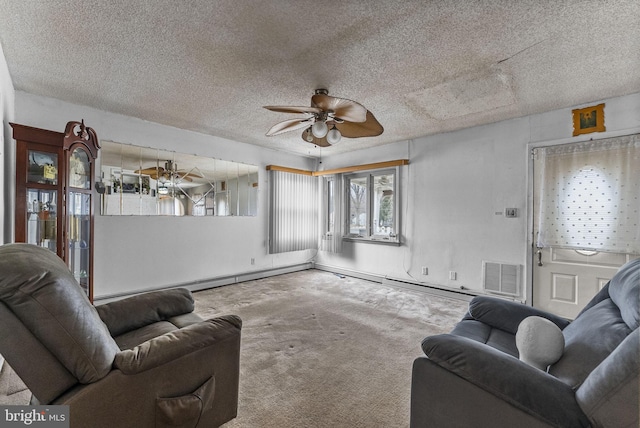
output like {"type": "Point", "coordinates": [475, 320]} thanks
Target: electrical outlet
{"type": "Point", "coordinates": [253, 261]}
{"type": "Point", "coordinates": [425, 270]}
{"type": "Point", "coordinates": [511, 212]}
{"type": "Point", "coordinates": [453, 275]}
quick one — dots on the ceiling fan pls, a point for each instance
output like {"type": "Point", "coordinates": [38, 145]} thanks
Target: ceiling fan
{"type": "Point", "coordinates": [169, 173]}
{"type": "Point", "coordinates": [327, 120]}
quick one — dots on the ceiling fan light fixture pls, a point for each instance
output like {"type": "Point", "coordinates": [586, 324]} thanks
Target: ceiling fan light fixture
{"type": "Point", "coordinates": [308, 136]}
{"type": "Point", "coordinates": [333, 136]}
{"type": "Point", "coordinates": [319, 129]}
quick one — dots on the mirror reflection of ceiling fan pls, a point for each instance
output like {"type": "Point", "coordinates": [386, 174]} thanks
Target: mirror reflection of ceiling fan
{"type": "Point", "coordinates": [327, 120]}
{"type": "Point", "coordinates": [169, 173]}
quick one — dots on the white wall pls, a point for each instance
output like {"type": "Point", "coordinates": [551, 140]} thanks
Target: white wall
{"type": "Point", "coordinates": [457, 182]}
{"type": "Point", "coordinates": [7, 155]}
{"type": "Point", "coordinates": [142, 253]}
{"type": "Point", "coordinates": [451, 191]}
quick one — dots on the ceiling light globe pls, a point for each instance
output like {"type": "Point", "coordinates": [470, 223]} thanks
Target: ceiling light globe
{"type": "Point", "coordinates": [333, 136]}
{"type": "Point", "coordinates": [308, 136]}
{"type": "Point", "coordinates": [319, 129]}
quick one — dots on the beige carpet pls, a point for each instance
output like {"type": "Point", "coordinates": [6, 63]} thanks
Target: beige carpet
{"type": "Point", "coordinates": [319, 350]}
{"type": "Point", "coordinates": [323, 351]}
{"type": "Point", "coordinates": [12, 389]}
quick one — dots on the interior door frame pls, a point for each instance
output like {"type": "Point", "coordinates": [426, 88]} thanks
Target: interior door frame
{"type": "Point", "coordinates": [531, 241]}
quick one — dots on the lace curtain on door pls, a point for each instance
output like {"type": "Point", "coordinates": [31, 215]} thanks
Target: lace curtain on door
{"type": "Point", "coordinates": [590, 195]}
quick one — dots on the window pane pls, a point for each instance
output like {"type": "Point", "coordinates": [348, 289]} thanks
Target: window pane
{"type": "Point", "coordinates": [383, 204]}
{"type": "Point", "coordinates": [358, 206]}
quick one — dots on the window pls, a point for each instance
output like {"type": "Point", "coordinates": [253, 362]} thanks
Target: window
{"type": "Point", "coordinates": [371, 202]}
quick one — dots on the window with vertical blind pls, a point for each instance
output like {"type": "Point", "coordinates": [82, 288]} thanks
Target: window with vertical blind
{"type": "Point", "coordinates": [293, 212]}
{"type": "Point", "coordinates": [590, 194]}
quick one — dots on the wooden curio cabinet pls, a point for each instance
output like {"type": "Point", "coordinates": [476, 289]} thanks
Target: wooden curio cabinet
{"type": "Point", "coordinates": [55, 175]}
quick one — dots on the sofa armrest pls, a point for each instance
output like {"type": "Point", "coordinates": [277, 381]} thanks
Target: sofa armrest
{"type": "Point", "coordinates": [171, 346]}
{"type": "Point", "coordinates": [513, 381]}
{"type": "Point", "coordinates": [507, 315]}
{"type": "Point", "coordinates": [138, 311]}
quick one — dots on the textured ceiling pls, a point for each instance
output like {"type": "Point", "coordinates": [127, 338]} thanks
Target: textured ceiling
{"type": "Point", "coordinates": [421, 67]}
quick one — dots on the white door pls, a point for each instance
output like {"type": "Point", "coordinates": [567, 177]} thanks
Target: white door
{"type": "Point", "coordinates": [565, 279]}
{"type": "Point", "coordinates": [568, 279]}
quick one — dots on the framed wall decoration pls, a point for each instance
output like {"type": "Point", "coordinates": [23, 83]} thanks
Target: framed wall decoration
{"type": "Point", "coordinates": [589, 119]}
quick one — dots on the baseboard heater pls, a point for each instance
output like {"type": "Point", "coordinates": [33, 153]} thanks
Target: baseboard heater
{"type": "Point", "coordinates": [502, 279]}
{"type": "Point", "coordinates": [205, 284]}
{"type": "Point", "coordinates": [463, 294]}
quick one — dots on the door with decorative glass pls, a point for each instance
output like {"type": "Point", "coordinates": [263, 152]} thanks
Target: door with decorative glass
{"type": "Point", "coordinates": [586, 219]}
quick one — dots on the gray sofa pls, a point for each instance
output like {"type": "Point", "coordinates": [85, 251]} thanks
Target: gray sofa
{"type": "Point", "coordinates": [139, 362]}
{"type": "Point", "coordinates": [472, 377]}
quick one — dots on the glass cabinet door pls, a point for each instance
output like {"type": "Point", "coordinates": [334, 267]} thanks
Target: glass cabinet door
{"type": "Point", "coordinates": [79, 217]}
{"type": "Point", "coordinates": [79, 228]}
{"type": "Point", "coordinates": [42, 218]}
{"type": "Point", "coordinates": [42, 199]}
{"type": "Point", "coordinates": [43, 167]}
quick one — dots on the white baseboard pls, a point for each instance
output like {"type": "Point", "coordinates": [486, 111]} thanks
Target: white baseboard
{"type": "Point", "coordinates": [205, 284]}
{"type": "Point", "coordinates": [443, 291]}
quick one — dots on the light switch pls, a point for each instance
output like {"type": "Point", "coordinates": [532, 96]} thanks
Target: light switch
{"type": "Point", "coordinates": [511, 212]}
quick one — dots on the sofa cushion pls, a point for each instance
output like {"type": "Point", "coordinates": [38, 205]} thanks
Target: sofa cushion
{"type": "Point", "coordinates": [588, 341]}
{"type": "Point", "coordinates": [624, 289]}
{"type": "Point", "coordinates": [609, 396]}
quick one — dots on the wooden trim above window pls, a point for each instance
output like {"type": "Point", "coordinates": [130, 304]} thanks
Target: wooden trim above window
{"type": "Point", "coordinates": [291, 170]}
{"type": "Point", "coordinates": [355, 168]}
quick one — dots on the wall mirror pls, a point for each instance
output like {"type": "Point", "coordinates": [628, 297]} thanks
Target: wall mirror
{"type": "Point", "coordinates": [146, 181]}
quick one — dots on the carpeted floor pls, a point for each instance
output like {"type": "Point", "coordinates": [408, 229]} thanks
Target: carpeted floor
{"type": "Point", "coordinates": [12, 389]}
{"type": "Point", "coordinates": [323, 351]}
{"type": "Point", "coordinates": [319, 350]}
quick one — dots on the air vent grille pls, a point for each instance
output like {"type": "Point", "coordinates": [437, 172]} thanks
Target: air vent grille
{"type": "Point", "coordinates": [501, 278]}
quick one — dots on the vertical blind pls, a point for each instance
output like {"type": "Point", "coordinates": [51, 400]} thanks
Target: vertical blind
{"type": "Point", "coordinates": [334, 221]}
{"type": "Point", "coordinates": [293, 212]}
{"type": "Point", "coordinates": [590, 195]}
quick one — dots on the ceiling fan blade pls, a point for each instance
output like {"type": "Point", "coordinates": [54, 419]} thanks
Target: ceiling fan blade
{"type": "Point", "coordinates": [369, 128]}
{"type": "Point", "coordinates": [342, 108]}
{"type": "Point", "coordinates": [288, 125]}
{"type": "Point", "coordinates": [322, 142]}
{"type": "Point", "coordinates": [294, 109]}
{"type": "Point", "coordinates": [157, 170]}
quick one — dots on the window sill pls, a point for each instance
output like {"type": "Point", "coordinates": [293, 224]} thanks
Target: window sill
{"type": "Point", "coordinates": [394, 242]}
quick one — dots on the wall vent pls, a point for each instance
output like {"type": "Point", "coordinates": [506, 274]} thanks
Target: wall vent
{"type": "Point", "coordinates": [501, 278]}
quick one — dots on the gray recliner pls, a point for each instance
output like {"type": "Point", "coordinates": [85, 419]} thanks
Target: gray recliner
{"type": "Point", "coordinates": [472, 377]}
{"type": "Point", "coordinates": [139, 362]}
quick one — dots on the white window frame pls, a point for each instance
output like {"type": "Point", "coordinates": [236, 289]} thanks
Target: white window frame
{"type": "Point", "coordinates": [370, 236]}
